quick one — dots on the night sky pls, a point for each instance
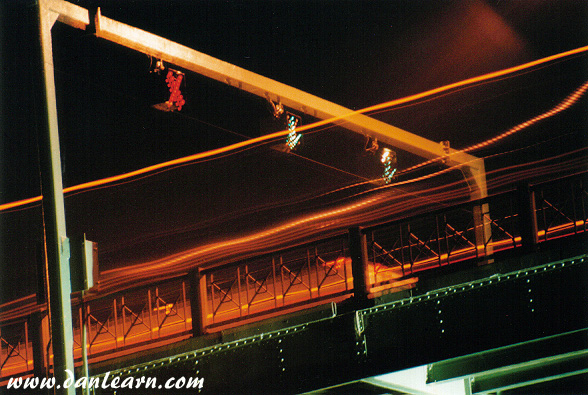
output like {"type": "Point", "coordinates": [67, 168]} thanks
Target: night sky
{"type": "Point", "coordinates": [354, 53]}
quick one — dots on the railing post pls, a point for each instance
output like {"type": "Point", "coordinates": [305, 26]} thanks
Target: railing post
{"type": "Point", "coordinates": [476, 177]}
{"type": "Point", "coordinates": [527, 217]}
{"type": "Point", "coordinates": [39, 336]}
{"type": "Point", "coordinates": [198, 302]}
{"type": "Point", "coordinates": [359, 264]}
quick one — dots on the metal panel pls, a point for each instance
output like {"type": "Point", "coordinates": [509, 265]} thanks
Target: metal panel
{"type": "Point", "coordinates": [392, 337]}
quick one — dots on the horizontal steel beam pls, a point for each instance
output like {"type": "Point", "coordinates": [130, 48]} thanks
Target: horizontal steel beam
{"type": "Point", "coordinates": [198, 62]}
{"type": "Point", "coordinates": [532, 373]}
{"type": "Point", "coordinates": [512, 358]}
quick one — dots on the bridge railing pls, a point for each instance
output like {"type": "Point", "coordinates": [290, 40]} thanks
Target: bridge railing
{"type": "Point", "coordinates": [289, 279]}
{"type": "Point", "coordinates": [276, 281]}
{"type": "Point", "coordinates": [402, 248]}
{"type": "Point", "coordinates": [15, 348]}
{"type": "Point", "coordinates": [405, 247]}
{"type": "Point", "coordinates": [561, 208]}
{"type": "Point", "coordinates": [137, 316]}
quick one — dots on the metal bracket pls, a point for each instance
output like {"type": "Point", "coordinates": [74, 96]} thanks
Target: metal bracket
{"type": "Point", "coordinates": [65, 249]}
{"type": "Point", "coordinates": [360, 339]}
{"type": "Point", "coordinates": [359, 324]}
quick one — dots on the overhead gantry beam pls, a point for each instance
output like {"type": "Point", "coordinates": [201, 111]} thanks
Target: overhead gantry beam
{"type": "Point", "coordinates": [198, 62]}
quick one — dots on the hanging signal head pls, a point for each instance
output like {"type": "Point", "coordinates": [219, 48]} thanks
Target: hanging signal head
{"type": "Point", "coordinates": [293, 138]}
{"type": "Point", "coordinates": [292, 121]}
{"type": "Point", "coordinates": [389, 161]}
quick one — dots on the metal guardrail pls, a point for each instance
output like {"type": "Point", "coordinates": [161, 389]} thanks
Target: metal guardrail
{"type": "Point", "coordinates": [560, 204]}
{"type": "Point", "coordinates": [276, 281]}
{"type": "Point", "coordinates": [437, 239]}
{"type": "Point", "coordinates": [256, 288]}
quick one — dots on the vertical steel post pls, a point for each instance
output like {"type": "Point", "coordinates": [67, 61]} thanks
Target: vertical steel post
{"type": "Point", "coordinates": [274, 282]}
{"type": "Point", "coordinates": [212, 309]}
{"type": "Point", "coordinates": [157, 311]}
{"type": "Point", "coordinates": [438, 238]}
{"type": "Point", "coordinates": [316, 267]}
{"type": "Point", "coordinates": [309, 278]}
{"type": "Point", "coordinates": [545, 225]}
{"type": "Point", "coordinates": [410, 246]}
{"type": "Point", "coordinates": [359, 264]}
{"type": "Point", "coordinates": [57, 245]}
{"type": "Point", "coordinates": [150, 308]}
{"type": "Point", "coordinates": [282, 280]}
{"type": "Point", "coordinates": [476, 178]}
{"type": "Point", "coordinates": [527, 217]}
{"type": "Point", "coordinates": [247, 301]}
{"type": "Point", "coordinates": [239, 290]}
{"type": "Point", "coordinates": [26, 325]}
{"type": "Point", "coordinates": [446, 239]}
{"type": "Point", "coordinates": [184, 307]}
{"type": "Point", "coordinates": [89, 317]}
{"type": "Point", "coordinates": [115, 324]}
{"type": "Point", "coordinates": [198, 302]}
{"type": "Point", "coordinates": [39, 334]}
{"type": "Point", "coordinates": [479, 240]}
{"type": "Point", "coordinates": [401, 248]}
{"type": "Point", "coordinates": [83, 328]}
{"type": "Point", "coordinates": [344, 264]}
{"type": "Point", "coordinates": [124, 318]}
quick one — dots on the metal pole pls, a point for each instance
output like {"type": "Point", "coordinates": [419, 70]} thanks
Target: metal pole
{"type": "Point", "coordinates": [198, 302]}
{"type": "Point", "coordinates": [85, 373]}
{"type": "Point", "coordinates": [359, 264]}
{"type": "Point", "coordinates": [57, 244]}
{"type": "Point", "coordinates": [527, 217]}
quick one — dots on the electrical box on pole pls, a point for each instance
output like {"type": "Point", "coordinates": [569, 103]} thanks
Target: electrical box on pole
{"type": "Point", "coordinates": [83, 264]}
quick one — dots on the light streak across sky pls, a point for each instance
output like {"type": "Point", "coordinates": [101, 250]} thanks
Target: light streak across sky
{"type": "Point", "coordinates": [372, 206]}
{"type": "Point", "coordinates": [250, 143]}
{"type": "Point", "coordinates": [569, 101]}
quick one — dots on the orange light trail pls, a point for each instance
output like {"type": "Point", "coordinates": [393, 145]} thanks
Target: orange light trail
{"type": "Point", "coordinates": [281, 134]}
{"type": "Point", "coordinates": [449, 87]}
{"type": "Point", "coordinates": [569, 101]}
{"type": "Point", "coordinates": [381, 205]}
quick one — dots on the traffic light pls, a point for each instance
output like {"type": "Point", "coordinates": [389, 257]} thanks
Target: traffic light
{"type": "Point", "coordinates": [293, 138]}
{"type": "Point", "coordinates": [389, 161]}
{"type": "Point", "coordinates": [174, 80]}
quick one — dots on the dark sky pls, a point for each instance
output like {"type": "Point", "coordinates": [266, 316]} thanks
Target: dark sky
{"type": "Point", "coordinates": [354, 53]}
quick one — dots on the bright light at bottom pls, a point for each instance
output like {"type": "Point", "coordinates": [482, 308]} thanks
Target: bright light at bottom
{"type": "Point", "coordinates": [293, 139]}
